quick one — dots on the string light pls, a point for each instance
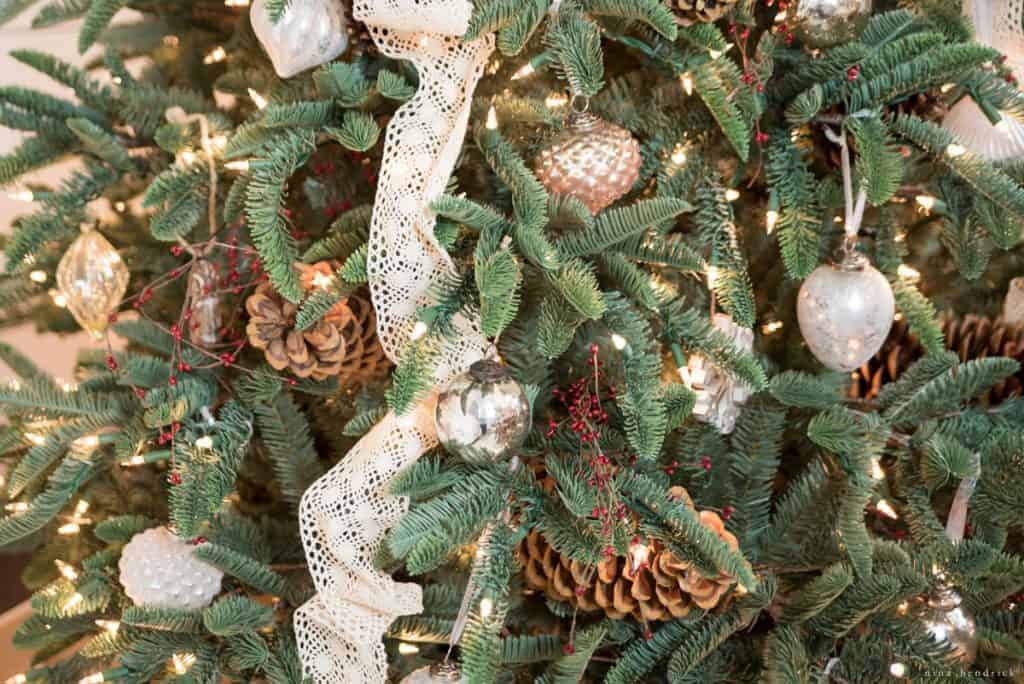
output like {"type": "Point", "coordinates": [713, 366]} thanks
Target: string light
{"type": "Point", "coordinates": [771, 327]}
{"type": "Point", "coordinates": [70, 528]}
{"type": "Point", "coordinates": [95, 678]}
{"type": "Point", "coordinates": [19, 678]}
{"type": "Point", "coordinates": [111, 626]}
{"type": "Point", "coordinates": [486, 608]}
{"type": "Point", "coordinates": [75, 599]}
{"type": "Point", "coordinates": [238, 165]}
{"type": "Point", "coordinates": [524, 71]}
{"type": "Point", "coordinates": [182, 662]}
{"type": "Point", "coordinates": [22, 196]}
{"type": "Point", "coordinates": [715, 54]}
{"type": "Point", "coordinates": [955, 150]}
{"type": "Point", "coordinates": [556, 100]}
{"type": "Point", "coordinates": [886, 509]}
{"type": "Point", "coordinates": [257, 99]}
{"type": "Point", "coordinates": [236, 3]}
{"type": "Point", "coordinates": [418, 331]}
{"type": "Point", "coordinates": [876, 470]}
{"type": "Point", "coordinates": [679, 155]}
{"type": "Point", "coordinates": [732, 194]}
{"type": "Point", "coordinates": [926, 202]}
{"type": "Point", "coordinates": [408, 649]}
{"type": "Point", "coordinates": [87, 442]}
{"type": "Point", "coordinates": [492, 118]}
{"type": "Point", "coordinates": [120, 207]}
{"type": "Point", "coordinates": [35, 438]}
{"type": "Point", "coordinates": [908, 273]}
{"type": "Point", "coordinates": [16, 507]}
{"type": "Point", "coordinates": [712, 273]}
{"type": "Point", "coordinates": [171, 41]}
{"type": "Point", "coordinates": [771, 218]}
{"type": "Point", "coordinates": [58, 299]}
{"type": "Point", "coordinates": [898, 670]}
{"type": "Point", "coordinates": [204, 442]}
{"type": "Point", "coordinates": [66, 570]}
{"type": "Point", "coordinates": [187, 157]}
{"type": "Point", "coordinates": [137, 459]}
{"type": "Point", "coordinates": [218, 54]}
{"type": "Point", "coordinates": [686, 80]}
{"type": "Point", "coordinates": [946, 87]}
{"type": "Point", "coordinates": [618, 341]}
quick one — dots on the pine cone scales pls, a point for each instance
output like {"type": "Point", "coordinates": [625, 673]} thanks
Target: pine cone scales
{"type": "Point", "coordinates": [689, 12]}
{"type": "Point", "coordinates": [662, 587]}
{"type": "Point", "coordinates": [970, 337]}
{"type": "Point", "coordinates": [315, 353]}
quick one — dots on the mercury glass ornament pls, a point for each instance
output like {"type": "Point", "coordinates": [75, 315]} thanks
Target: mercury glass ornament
{"type": "Point", "coordinates": [719, 395]}
{"type": "Point", "coordinates": [950, 624]}
{"type": "Point", "coordinates": [845, 311]}
{"type": "Point", "coordinates": [438, 673]}
{"type": "Point", "coordinates": [203, 303]}
{"type": "Point", "coordinates": [308, 34]}
{"type": "Point", "coordinates": [592, 160]}
{"type": "Point", "coordinates": [93, 278]}
{"type": "Point", "coordinates": [158, 570]}
{"type": "Point", "coordinates": [482, 414]}
{"type": "Point", "coordinates": [824, 23]}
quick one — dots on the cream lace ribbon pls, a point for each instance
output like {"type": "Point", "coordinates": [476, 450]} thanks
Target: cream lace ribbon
{"type": "Point", "coordinates": [344, 515]}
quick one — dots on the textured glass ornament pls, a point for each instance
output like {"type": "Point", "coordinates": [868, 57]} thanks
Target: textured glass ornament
{"type": "Point", "coordinates": [204, 303]}
{"type": "Point", "coordinates": [950, 624]}
{"type": "Point", "coordinates": [158, 570]}
{"type": "Point", "coordinates": [592, 160]}
{"type": "Point", "coordinates": [93, 278]}
{"type": "Point", "coordinates": [719, 395]}
{"type": "Point", "coordinates": [308, 34]}
{"type": "Point", "coordinates": [824, 23]}
{"type": "Point", "coordinates": [998, 24]}
{"type": "Point", "coordinates": [482, 414]}
{"type": "Point", "coordinates": [438, 673]}
{"type": "Point", "coordinates": [845, 311]}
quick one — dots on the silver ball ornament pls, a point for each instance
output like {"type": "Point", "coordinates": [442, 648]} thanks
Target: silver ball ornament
{"type": "Point", "coordinates": [308, 34]}
{"type": "Point", "coordinates": [592, 160]}
{"type": "Point", "coordinates": [824, 23]}
{"type": "Point", "coordinates": [950, 624]}
{"type": "Point", "coordinates": [438, 673]}
{"type": "Point", "coordinates": [159, 570]}
{"type": "Point", "coordinates": [845, 312]}
{"type": "Point", "coordinates": [482, 414]}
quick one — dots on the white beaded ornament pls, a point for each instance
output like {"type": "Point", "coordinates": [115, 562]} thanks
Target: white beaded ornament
{"type": "Point", "coordinates": [344, 515]}
{"type": "Point", "coordinates": [997, 23]}
{"type": "Point", "coordinates": [308, 34]}
{"type": "Point", "coordinates": [158, 570]}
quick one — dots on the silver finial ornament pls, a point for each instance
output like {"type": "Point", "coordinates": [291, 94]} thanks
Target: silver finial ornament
{"type": "Point", "coordinates": [308, 34]}
{"type": "Point", "coordinates": [824, 23]}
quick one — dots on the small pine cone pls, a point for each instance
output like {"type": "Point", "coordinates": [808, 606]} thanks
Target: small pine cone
{"type": "Point", "coordinates": [970, 337]}
{"type": "Point", "coordinates": [365, 359]}
{"type": "Point", "coordinates": [689, 12]}
{"type": "Point", "coordinates": [928, 105]}
{"type": "Point", "coordinates": [654, 585]}
{"type": "Point", "coordinates": [315, 353]}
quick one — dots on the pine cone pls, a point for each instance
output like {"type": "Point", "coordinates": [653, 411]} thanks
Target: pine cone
{"type": "Point", "coordinates": [928, 105]}
{"type": "Point", "coordinates": [315, 353]}
{"type": "Point", "coordinates": [971, 337]}
{"type": "Point", "coordinates": [658, 587]}
{"type": "Point", "coordinates": [689, 12]}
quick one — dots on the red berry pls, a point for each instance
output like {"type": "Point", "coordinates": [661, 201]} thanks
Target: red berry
{"type": "Point", "coordinates": [568, 649]}
{"type": "Point", "coordinates": [175, 478]}
{"type": "Point", "coordinates": [594, 348]}
{"type": "Point", "coordinates": [112, 318]}
{"type": "Point", "coordinates": [760, 87]}
{"type": "Point", "coordinates": [172, 381]}
{"type": "Point", "coordinates": [727, 512]}
{"type": "Point", "coordinates": [852, 73]}
{"type": "Point", "coordinates": [184, 367]}
{"type": "Point", "coordinates": [648, 634]}
{"type": "Point", "coordinates": [292, 382]}
{"type": "Point", "coordinates": [199, 540]}
{"type": "Point", "coordinates": [176, 250]}
{"type": "Point", "coordinates": [140, 393]}
{"type": "Point", "coordinates": [111, 362]}
{"type": "Point", "coordinates": [761, 137]}
{"type": "Point", "coordinates": [581, 590]}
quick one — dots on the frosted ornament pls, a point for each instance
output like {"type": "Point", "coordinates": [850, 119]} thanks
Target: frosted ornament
{"type": "Point", "coordinates": [592, 160]}
{"type": "Point", "coordinates": [824, 23]}
{"type": "Point", "coordinates": [93, 279]}
{"type": "Point", "coordinates": [997, 24]}
{"type": "Point", "coordinates": [438, 673]}
{"type": "Point", "coordinates": [845, 311]}
{"type": "Point", "coordinates": [719, 395]}
{"type": "Point", "coordinates": [482, 414]}
{"type": "Point", "coordinates": [158, 570]}
{"type": "Point", "coordinates": [949, 623]}
{"type": "Point", "coordinates": [309, 33]}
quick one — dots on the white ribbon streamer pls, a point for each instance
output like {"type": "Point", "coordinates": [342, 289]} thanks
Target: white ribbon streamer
{"type": "Point", "coordinates": [345, 514]}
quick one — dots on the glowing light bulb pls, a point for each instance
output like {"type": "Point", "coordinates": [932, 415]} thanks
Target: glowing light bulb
{"type": "Point", "coordinates": [486, 607]}
{"type": "Point", "coordinates": [618, 341]}
{"type": "Point", "coordinates": [66, 570]}
{"type": "Point", "coordinates": [111, 626]}
{"type": "Point", "coordinates": [75, 599]}
{"type": "Point", "coordinates": [96, 678]}
{"type": "Point", "coordinates": [898, 670]}
{"type": "Point", "coordinates": [556, 100]}
{"type": "Point", "coordinates": [16, 679]}
{"type": "Point", "coordinates": [946, 87]}
{"type": "Point", "coordinates": [771, 218]}
{"type": "Point", "coordinates": [715, 54]}
{"type": "Point", "coordinates": [236, 3]}
{"type": "Point", "coordinates": [679, 155]}
{"type": "Point", "coordinates": [908, 273]}
{"type": "Point", "coordinates": [35, 438]}
{"type": "Point", "coordinates": [524, 71]}
{"type": "Point", "coordinates": [686, 80]}
{"type": "Point", "coordinates": [886, 509]}
{"type": "Point", "coordinates": [257, 99]}
{"type": "Point", "coordinates": [182, 662]}
{"type": "Point", "coordinates": [22, 196]}
{"type": "Point", "coordinates": [82, 507]}
{"type": "Point", "coordinates": [135, 460]}
{"type": "Point", "coordinates": [408, 649]}
{"type": "Point", "coordinates": [926, 202]}
{"type": "Point", "coordinates": [238, 165]}
{"type": "Point", "coordinates": [68, 529]}
{"type": "Point", "coordinates": [876, 470]}
{"type": "Point", "coordinates": [712, 274]}
{"type": "Point", "coordinates": [16, 507]}
{"type": "Point", "coordinates": [771, 327]}
{"type": "Point", "coordinates": [218, 54]}
{"type": "Point", "coordinates": [187, 157]}
{"type": "Point", "coordinates": [204, 442]}
{"type": "Point", "coordinates": [492, 118]}
{"type": "Point", "coordinates": [418, 331]}
{"type": "Point", "coordinates": [732, 194]}
{"type": "Point", "coordinates": [955, 150]}
{"type": "Point", "coordinates": [87, 442]}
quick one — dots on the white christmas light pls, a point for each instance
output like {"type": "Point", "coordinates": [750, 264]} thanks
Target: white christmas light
{"type": "Point", "coordinates": [112, 626]}
{"type": "Point", "coordinates": [526, 70]}
{"type": "Point", "coordinates": [38, 276]}
{"type": "Point", "coordinates": [68, 529]}
{"type": "Point", "coordinates": [321, 281]}
{"type": "Point", "coordinates": [218, 54]}
{"type": "Point", "coordinates": [16, 507]}
{"type": "Point", "coordinates": [408, 649]}
{"type": "Point", "coordinates": [876, 470]}
{"type": "Point", "coordinates": [237, 165]}
{"type": "Point", "coordinates": [486, 608]}
{"type": "Point", "coordinates": [679, 155]}
{"type": "Point", "coordinates": [955, 150]}
{"type": "Point", "coordinates": [908, 273]}
{"type": "Point", "coordinates": [556, 100]}
{"type": "Point", "coordinates": [687, 82]}
{"type": "Point", "coordinates": [96, 678]}
{"type": "Point", "coordinates": [204, 442]}
{"type": "Point", "coordinates": [886, 509]}
{"type": "Point", "coordinates": [236, 3]}
{"type": "Point", "coordinates": [926, 202]}
{"type": "Point", "coordinates": [182, 662]}
{"type": "Point", "coordinates": [35, 438]}
{"type": "Point", "coordinates": [16, 679]}
{"type": "Point", "coordinates": [732, 194]}
{"type": "Point", "coordinates": [22, 196]}
{"type": "Point", "coordinates": [898, 670]}
{"type": "Point", "coordinates": [418, 331]}
{"type": "Point", "coordinates": [66, 570]}
{"type": "Point", "coordinates": [771, 327]}
{"type": "Point", "coordinates": [492, 118]}
{"type": "Point", "coordinates": [715, 54]}
{"type": "Point", "coordinates": [75, 599]}
{"type": "Point", "coordinates": [137, 459]}
{"type": "Point", "coordinates": [257, 99]}
{"type": "Point", "coordinates": [771, 218]}
{"type": "Point", "coordinates": [618, 341]}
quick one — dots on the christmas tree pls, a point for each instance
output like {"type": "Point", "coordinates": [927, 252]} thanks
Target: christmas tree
{"type": "Point", "coordinates": [521, 340]}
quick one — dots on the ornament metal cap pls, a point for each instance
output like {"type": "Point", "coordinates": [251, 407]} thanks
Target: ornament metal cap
{"type": "Point", "coordinates": [487, 370]}
{"type": "Point", "coordinates": [848, 258]}
{"type": "Point", "coordinates": [445, 671]}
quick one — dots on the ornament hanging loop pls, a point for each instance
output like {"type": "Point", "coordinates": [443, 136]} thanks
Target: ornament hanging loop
{"type": "Point", "coordinates": [580, 104]}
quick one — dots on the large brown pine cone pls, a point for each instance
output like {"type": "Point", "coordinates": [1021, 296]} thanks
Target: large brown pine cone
{"type": "Point", "coordinates": [971, 337]}
{"type": "Point", "coordinates": [689, 12]}
{"type": "Point", "coordinates": [315, 353]}
{"type": "Point", "coordinates": [660, 587]}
